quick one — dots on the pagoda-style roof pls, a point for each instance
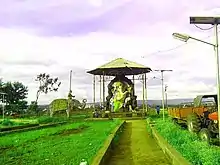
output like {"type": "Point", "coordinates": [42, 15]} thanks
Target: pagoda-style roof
{"type": "Point", "coordinates": [120, 66]}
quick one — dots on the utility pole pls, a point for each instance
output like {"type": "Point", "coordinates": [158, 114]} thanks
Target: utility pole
{"type": "Point", "coordinates": [71, 72]}
{"type": "Point", "coordinates": [162, 86]}
{"type": "Point", "coordinates": [70, 96]}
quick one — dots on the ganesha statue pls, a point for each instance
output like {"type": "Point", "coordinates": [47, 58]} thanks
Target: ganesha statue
{"type": "Point", "coordinates": [121, 95]}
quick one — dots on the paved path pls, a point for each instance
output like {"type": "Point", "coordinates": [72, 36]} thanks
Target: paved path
{"type": "Point", "coordinates": [136, 147]}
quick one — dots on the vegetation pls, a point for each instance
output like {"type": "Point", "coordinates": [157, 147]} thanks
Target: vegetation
{"type": "Point", "coordinates": [33, 108]}
{"type": "Point", "coordinates": [8, 123]}
{"type": "Point", "coordinates": [189, 145]}
{"type": "Point", "coordinates": [16, 93]}
{"type": "Point", "coordinates": [46, 84]}
{"type": "Point", "coordinates": [46, 119]}
{"type": "Point", "coordinates": [66, 144]}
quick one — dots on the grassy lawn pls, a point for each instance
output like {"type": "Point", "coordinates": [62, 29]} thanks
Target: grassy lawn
{"type": "Point", "coordinates": [66, 144]}
{"type": "Point", "coordinates": [8, 122]}
{"type": "Point", "coordinates": [16, 122]}
{"type": "Point", "coordinates": [189, 145]}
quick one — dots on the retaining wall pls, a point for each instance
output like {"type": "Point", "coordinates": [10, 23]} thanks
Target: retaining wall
{"type": "Point", "coordinates": [175, 157]}
{"type": "Point", "coordinates": [104, 153]}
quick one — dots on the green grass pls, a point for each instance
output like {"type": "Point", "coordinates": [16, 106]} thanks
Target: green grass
{"type": "Point", "coordinates": [55, 119]}
{"type": "Point", "coordinates": [49, 146]}
{"type": "Point", "coordinates": [189, 145]}
{"type": "Point", "coordinates": [48, 119]}
{"type": "Point", "coordinates": [10, 123]}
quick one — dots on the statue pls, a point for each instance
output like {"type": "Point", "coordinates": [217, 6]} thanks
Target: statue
{"type": "Point", "coordinates": [68, 104]}
{"type": "Point", "coordinates": [121, 95]}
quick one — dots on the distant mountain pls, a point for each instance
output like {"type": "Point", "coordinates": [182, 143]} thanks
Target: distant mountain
{"type": "Point", "coordinates": [43, 106]}
{"type": "Point", "coordinates": [158, 102]}
{"type": "Point", "coordinates": [169, 102]}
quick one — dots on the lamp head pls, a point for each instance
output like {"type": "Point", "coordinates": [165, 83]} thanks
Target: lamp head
{"type": "Point", "coordinates": [181, 37]}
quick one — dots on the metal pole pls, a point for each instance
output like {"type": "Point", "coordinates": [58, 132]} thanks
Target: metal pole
{"type": "Point", "coordinates": [94, 92]}
{"type": "Point", "coordinates": [3, 107]}
{"type": "Point", "coordinates": [166, 101]}
{"type": "Point", "coordinates": [202, 41]}
{"type": "Point", "coordinates": [143, 101]}
{"type": "Point", "coordinates": [133, 84]}
{"type": "Point", "coordinates": [103, 88]}
{"type": "Point", "coordinates": [70, 94]}
{"type": "Point", "coordinates": [100, 90]}
{"type": "Point", "coordinates": [162, 84]}
{"type": "Point", "coordinates": [146, 108]}
{"type": "Point", "coordinates": [218, 76]}
{"type": "Point", "coordinates": [70, 79]}
{"type": "Point", "coordinates": [166, 96]}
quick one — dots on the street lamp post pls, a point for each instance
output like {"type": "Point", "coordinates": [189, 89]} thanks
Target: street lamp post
{"type": "Point", "coordinates": [212, 21]}
{"type": "Point", "coordinates": [162, 87]}
{"type": "Point", "coordinates": [3, 104]}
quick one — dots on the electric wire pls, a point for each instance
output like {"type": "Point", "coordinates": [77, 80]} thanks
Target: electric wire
{"type": "Point", "coordinates": [172, 49]}
{"type": "Point", "coordinates": [203, 28]}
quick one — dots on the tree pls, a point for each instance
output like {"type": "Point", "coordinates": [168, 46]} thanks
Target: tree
{"type": "Point", "coordinates": [20, 107]}
{"type": "Point", "coordinates": [16, 92]}
{"type": "Point", "coordinates": [33, 107]}
{"type": "Point", "coordinates": [46, 84]}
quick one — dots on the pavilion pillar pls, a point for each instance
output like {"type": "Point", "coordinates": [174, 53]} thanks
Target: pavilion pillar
{"type": "Point", "coordinates": [146, 92]}
{"type": "Point", "coordinates": [100, 77]}
{"type": "Point", "coordinates": [94, 92]}
{"type": "Point", "coordinates": [143, 93]}
{"type": "Point", "coordinates": [133, 84]}
{"type": "Point", "coordinates": [103, 88]}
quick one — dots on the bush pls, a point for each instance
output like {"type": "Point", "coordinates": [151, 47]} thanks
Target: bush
{"type": "Point", "coordinates": [7, 122]}
{"type": "Point", "coordinates": [189, 145]}
{"type": "Point", "coordinates": [45, 120]}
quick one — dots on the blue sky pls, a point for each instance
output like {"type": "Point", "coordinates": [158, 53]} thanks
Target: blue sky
{"type": "Point", "coordinates": [55, 36]}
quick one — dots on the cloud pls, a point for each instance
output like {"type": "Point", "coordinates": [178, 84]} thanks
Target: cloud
{"type": "Point", "coordinates": [58, 36]}
{"type": "Point", "coordinates": [81, 17]}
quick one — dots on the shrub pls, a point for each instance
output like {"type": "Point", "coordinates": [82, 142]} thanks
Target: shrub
{"type": "Point", "coordinates": [189, 145]}
{"type": "Point", "coordinates": [7, 122]}
{"type": "Point", "coordinates": [44, 120]}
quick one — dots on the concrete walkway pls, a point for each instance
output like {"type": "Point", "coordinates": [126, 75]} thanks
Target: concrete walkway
{"type": "Point", "coordinates": [136, 147]}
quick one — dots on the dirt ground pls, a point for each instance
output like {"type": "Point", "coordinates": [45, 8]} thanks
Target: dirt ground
{"type": "Point", "coordinates": [136, 147]}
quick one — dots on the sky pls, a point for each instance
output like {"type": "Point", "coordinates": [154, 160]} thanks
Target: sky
{"type": "Point", "coordinates": [55, 36]}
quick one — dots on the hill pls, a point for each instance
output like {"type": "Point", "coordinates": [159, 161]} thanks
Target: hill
{"type": "Point", "coordinates": [169, 102]}
{"type": "Point", "coordinates": [158, 102]}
